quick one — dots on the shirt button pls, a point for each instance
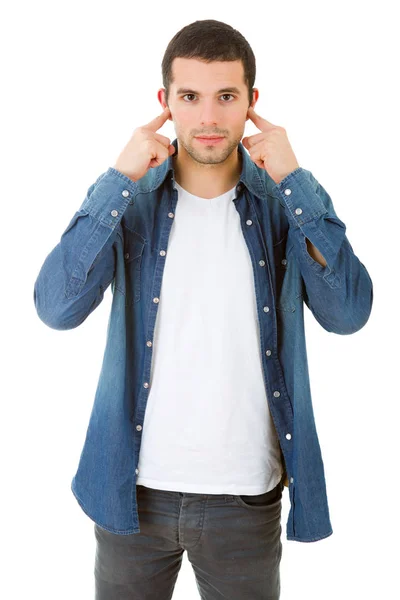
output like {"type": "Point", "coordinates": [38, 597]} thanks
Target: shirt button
{"type": "Point", "coordinates": [146, 385]}
{"type": "Point", "coordinates": [114, 213]}
{"type": "Point", "coordinates": [266, 308]}
{"type": "Point", "coordinates": [291, 480]}
{"type": "Point", "coordinates": [268, 352]}
{"type": "Point", "coordinates": [127, 255]}
{"type": "Point", "coordinates": [298, 211]}
{"type": "Point", "coordinates": [149, 344]}
{"type": "Point", "coordinates": [277, 394]}
{"type": "Point", "coordinates": [249, 222]}
{"type": "Point", "coordinates": [288, 436]}
{"type": "Point", "coordinates": [171, 215]}
{"type": "Point", "coordinates": [162, 252]}
{"type": "Point", "coordinates": [125, 193]}
{"type": "Point", "coordinates": [156, 300]}
{"type": "Point", "coordinates": [239, 187]}
{"type": "Point", "coordinates": [288, 191]}
{"type": "Point", "coordinates": [136, 471]}
{"type": "Point", "coordinates": [139, 427]}
{"type": "Point", "coordinates": [284, 261]}
{"type": "Point", "coordinates": [261, 263]}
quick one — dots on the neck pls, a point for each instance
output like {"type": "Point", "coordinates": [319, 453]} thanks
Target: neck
{"type": "Point", "coordinates": [207, 181]}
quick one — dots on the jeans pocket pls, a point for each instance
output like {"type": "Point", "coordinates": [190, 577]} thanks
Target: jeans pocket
{"type": "Point", "coordinates": [260, 501]}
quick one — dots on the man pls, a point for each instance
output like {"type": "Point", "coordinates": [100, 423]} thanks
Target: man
{"type": "Point", "coordinates": [203, 407]}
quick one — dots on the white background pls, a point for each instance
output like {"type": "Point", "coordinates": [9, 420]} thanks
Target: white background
{"type": "Point", "coordinates": [78, 78]}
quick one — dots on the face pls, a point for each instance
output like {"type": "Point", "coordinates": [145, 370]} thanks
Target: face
{"type": "Point", "coordinates": [208, 99]}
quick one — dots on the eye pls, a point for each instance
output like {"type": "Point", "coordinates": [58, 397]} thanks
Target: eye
{"type": "Point", "coordinates": [220, 96]}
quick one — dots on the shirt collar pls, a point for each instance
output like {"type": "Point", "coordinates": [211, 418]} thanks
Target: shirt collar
{"type": "Point", "coordinates": [252, 177]}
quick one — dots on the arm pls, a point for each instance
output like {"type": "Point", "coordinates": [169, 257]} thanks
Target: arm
{"type": "Point", "coordinates": [74, 276]}
{"type": "Point", "coordinates": [339, 290]}
{"type": "Point", "coordinates": [315, 253]}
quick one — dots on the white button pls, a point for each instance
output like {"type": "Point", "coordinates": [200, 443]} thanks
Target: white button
{"type": "Point", "coordinates": [170, 215]}
{"type": "Point", "coordinates": [149, 344]}
{"type": "Point", "coordinates": [291, 480]}
{"type": "Point", "coordinates": [277, 394]}
{"type": "Point", "coordinates": [139, 427]}
{"type": "Point", "coordinates": [136, 471]}
{"type": "Point", "coordinates": [162, 253]}
{"type": "Point", "coordinates": [298, 211]}
{"type": "Point", "coordinates": [268, 353]}
{"type": "Point", "coordinates": [156, 300]}
{"type": "Point", "coordinates": [266, 308]}
{"type": "Point", "coordinates": [287, 191]}
{"type": "Point", "coordinates": [284, 261]}
{"type": "Point", "coordinates": [146, 385]}
{"type": "Point", "coordinates": [288, 436]}
{"type": "Point", "coordinates": [261, 263]}
{"type": "Point", "coordinates": [125, 193]}
{"type": "Point", "coordinates": [127, 255]}
{"type": "Point", "coordinates": [114, 213]}
{"type": "Point", "coordinates": [249, 222]}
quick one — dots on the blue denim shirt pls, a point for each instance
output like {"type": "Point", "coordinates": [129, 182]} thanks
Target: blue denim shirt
{"type": "Point", "coordinates": [119, 236]}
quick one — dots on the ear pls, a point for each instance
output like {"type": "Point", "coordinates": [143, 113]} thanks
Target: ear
{"type": "Point", "coordinates": [161, 99]}
{"type": "Point", "coordinates": [254, 101]}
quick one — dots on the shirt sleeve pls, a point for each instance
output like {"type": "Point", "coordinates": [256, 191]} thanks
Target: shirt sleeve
{"type": "Point", "coordinates": [75, 274]}
{"type": "Point", "coordinates": [339, 294]}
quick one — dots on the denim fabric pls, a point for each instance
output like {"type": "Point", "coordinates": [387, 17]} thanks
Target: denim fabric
{"type": "Point", "coordinates": [232, 542]}
{"type": "Point", "coordinates": [119, 237]}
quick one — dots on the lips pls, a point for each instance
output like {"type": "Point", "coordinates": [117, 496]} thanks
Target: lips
{"type": "Point", "coordinates": [211, 141]}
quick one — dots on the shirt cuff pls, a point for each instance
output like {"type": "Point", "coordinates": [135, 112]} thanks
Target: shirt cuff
{"type": "Point", "coordinates": [298, 193]}
{"type": "Point", "coordinates": [112, 193]}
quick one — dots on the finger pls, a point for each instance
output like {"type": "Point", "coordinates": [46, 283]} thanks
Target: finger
{"type": "Point", "coordinates": [161, 154]}
{"type": "Point", "coordinates": [159, 121]}
{"type": "Point", "coordinates": [258, 121]}
{"type": "Point", "coordinates": [162, 139]}
{"type": "Point", "coordinates": [257, 157]}
{"type": "Point", "coordinates": [248, 142]}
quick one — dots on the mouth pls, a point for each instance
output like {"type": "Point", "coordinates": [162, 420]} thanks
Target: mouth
{"type": "Point", "coordinates": [210, 141]}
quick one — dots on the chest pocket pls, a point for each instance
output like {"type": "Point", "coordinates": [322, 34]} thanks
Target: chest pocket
{"type": "Point", "coordinates": [288, 282]}
{"type": "Point", "coordinates": [133, 257]}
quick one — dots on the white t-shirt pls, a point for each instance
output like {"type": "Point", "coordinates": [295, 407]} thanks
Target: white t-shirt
{"type": "Point", "coordinates": [207, 426]}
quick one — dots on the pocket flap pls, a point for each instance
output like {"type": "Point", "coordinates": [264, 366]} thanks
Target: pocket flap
{"type": "Point", "coordinates": [133, 245]}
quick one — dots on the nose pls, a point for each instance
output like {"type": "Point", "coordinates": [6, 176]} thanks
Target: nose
{"type": "Point", "coordinates": [209, 116]}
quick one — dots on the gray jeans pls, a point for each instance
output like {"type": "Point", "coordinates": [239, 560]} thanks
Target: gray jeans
{"type": "Point", "coordinates": [233, 544]}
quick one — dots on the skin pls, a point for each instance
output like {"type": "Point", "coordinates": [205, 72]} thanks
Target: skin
{"type": "Point", "coordinates": [209, 171]}
{"type": "Point", "coordinates": [202, 170]}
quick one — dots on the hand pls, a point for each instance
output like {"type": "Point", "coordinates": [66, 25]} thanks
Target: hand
{"type": "Point", "coordinates": [146, 149]}
{"type": "Point", "coordinates": [270, 149]}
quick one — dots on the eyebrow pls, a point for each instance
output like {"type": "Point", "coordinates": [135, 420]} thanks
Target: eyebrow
{"type": "Point", "coordinates": [233, 90]}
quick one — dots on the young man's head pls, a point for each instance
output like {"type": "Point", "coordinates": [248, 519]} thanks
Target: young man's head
{"type": "Point", "coordinates": [208, 73]}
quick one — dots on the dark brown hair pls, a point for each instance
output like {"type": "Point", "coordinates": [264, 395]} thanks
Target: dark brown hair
{"type": "Point", "coordinates": [209, 41]}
